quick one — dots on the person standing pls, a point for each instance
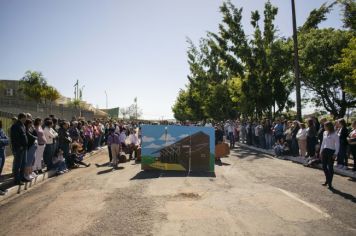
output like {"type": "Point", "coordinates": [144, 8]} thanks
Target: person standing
{"type": "Point", "coordinates": [302, 139]}
{"type": "Point", "coordinates": [243, 132]}
{"type": "Point", "coordinates": [41, 142]}
{"type": "Point", "coordinates": [19, 144]}
{"type": "Point", "coordinates": [31, 149]}
{"type": "Point", "coordinates": [295, 147]}
{"type": "Point", "coordinates": [230, 131]}
{"type": "Point", "coordinates": [278, 130]}
{"type": "Point", "coordinates": [134, 144]}
{"type": "Point", "coordinates": [342, 158]}
{"type": "Point", "coordinates": [328, 152]}
{"type": "Point", "coordinates": [321, 130]}
{"type": "Point", "coordinates": [114, 143]}
{"type": "Point", "coordinates": [50, 148]}
{"type": "Point", "coordinates": [4, 141]}
{"type": "Point", "coordinates": [64, 139]}
{"type": "Point", "coordinates": [259, 135]}
{"type": "Point", "coordinates": [311, 138]}
{"type": "Point", "coordinates": [267, 130]}
{"type": "Point", "coordinates": [352, 142]}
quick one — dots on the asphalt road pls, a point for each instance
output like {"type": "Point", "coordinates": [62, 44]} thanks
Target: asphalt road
{"type": "Point", "coordinates": [252, 194]}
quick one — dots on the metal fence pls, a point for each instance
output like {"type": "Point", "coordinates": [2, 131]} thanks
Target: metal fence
{"type": "Point", "coordinates": [5, 117]}
{"type": "Point", "coordinates": [42, 110]}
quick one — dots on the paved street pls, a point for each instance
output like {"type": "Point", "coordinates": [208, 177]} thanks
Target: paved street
{"type": "Point", "coordinates": [252, 194]}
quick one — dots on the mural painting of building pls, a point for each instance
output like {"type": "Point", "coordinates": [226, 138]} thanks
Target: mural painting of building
{"type": "Point", "coordinates": [187, 148]}
{"type": "Point", "coordinates": [193, 150]}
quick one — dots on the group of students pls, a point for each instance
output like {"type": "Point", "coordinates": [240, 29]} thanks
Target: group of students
{"type": "Point", "coordinates": [318, 141]}
{"type": "Point", "coordinates": [52, 143]}
{"type": "Point", "coordinates": [60, 145]}
{"type": "Point", "coordinates": [123, 139]}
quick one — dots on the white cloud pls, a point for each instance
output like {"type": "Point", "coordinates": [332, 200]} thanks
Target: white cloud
{"type": "Point", "coordinates": [152, 145]}
{"type": "Point", "coordinates": [147, 139]}
{"type": "Point", "coordinates": [184, 135]}
{"type": "Point", "coordinates": [169, 138]}
{"type": "Point", "coordinates": [168, 143]}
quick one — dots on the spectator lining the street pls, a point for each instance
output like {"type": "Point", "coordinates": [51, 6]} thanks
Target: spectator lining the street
{"type": "Point", "coordinates": [75, 159]}
{"type": "Point", "coordinates": [64, 139]}
{"type": "Point", "coordinates": [59, 164]}
{"type": "Point", "coordinates": [302, 139]}
{"type": "Point", "coordinates": [31, 150]}
{"type": "Point", "coordinates": [311, 138]}
{"type": "Point", "coordinates": [352, 142]}
{"type": "Point", "coordinates": [19, 145]}
{"type": "Point", "coordinates": [41, 143]}
{"type": "Point", "coordinates": [115, 147]}
{"type": "Point", "coordinates": [4, 141]}
{"type": "Point", "coordinates": [328, 152]}
{"type": "Point", "coordinates": [50, 147]}
{"type": "Point", "coordinates": [342, 158]}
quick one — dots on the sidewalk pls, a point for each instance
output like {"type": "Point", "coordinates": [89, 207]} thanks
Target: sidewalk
{"type": "Point", "coordinates": [17, 189]}
{"type": "Point", "coordinates": [299, 160]}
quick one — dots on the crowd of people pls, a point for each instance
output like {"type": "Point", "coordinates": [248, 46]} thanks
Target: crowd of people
{"type": "Point", "coordinates": [316, 141]}
{"type": "Point", "coordinates": [40, 145]}
{"type": "Point", "coordinates": [60, 145]}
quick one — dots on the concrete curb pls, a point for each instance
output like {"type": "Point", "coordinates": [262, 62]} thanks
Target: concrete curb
{"type": "Point", "coordinates": [17, 189]}
{"type": "Point", "coordinates": [299, 160]}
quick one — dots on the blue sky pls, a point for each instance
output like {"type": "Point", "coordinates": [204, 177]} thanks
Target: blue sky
{"type": "Point", "coordinates": [127, 47]}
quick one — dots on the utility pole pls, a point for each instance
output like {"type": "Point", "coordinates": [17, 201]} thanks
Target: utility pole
{"type": "Point", "coordinates": [76, 92]}
{"type": "Point", "coordinates": [296, 65]}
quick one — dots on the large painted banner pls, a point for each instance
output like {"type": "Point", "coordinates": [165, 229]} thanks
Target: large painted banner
{"type": "Point", "coordinates": [182, 148]}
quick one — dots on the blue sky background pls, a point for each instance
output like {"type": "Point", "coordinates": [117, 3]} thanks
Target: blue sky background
{"type": "Point", "coordinates": [127, 47]}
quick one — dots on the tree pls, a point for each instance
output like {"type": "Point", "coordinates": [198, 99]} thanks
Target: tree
{"type": "Point", "coordinates": [317, 67]}
{"type": "Point", "coordinates": [316, 16]}
{"type": "Point", "coordinates": [349, 12]}
{"type": "Point", "coordinates": [124, 112]}
{"type": "Point", "coordinates": [181, 109]}
{"type": "Point", "coordinates": [232, 75]}
{"type": "Point", "coordinates": [35, 86]}
{"type": "Point", "coordinates": [51, 94]}
{"type": "Point", "coordinates": [130, 112]}
{"type": "Point", "coordinates": [346, 68]}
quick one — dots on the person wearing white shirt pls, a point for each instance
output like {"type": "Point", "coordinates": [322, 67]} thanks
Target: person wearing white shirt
{"type": "Point", "coordinates": [328, 152]}
{"type": "Point", "coordinates": [302, 139]}
{"type": "Point", "coordinates": [134, 144]}
{"type": "Point", "coordinates": [122, 137]}
{"type": "Point", "coordinates": [49, 150]}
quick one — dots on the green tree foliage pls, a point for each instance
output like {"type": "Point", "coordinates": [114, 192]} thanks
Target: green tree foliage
{"type": "Point", "coordinates": [35, 86]}
{"type": "Point", "coordinates": [51, 94]}
{"type": "Point", "coordinates": [346, 68]}
{"type": "Point", "coordinates": [316, 16]}
{"type": "Point", "coordinates": [181, 108]}
{"type": "Point", "coordinates": [349, 14]}
{"type": "Point", "coordinates": [320, 51]}
{"type": "Point", "coordinates": [232, 74]}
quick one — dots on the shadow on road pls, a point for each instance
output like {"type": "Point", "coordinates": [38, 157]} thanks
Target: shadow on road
{"type": "Point", "coordinates": [352, 179]}
{"type": "Point", "coordinates": [109, 170]}
{"type": "Point", "coordinates": [344, 195]}
{"type": "Point", "coordinates": [249, 154]}
{"type": "Point", "coordinates": [220, 163]}
{"type": "Point", "coordinates": [154, 174]}
{"type": "Point", "coordinates": [102, 165]}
